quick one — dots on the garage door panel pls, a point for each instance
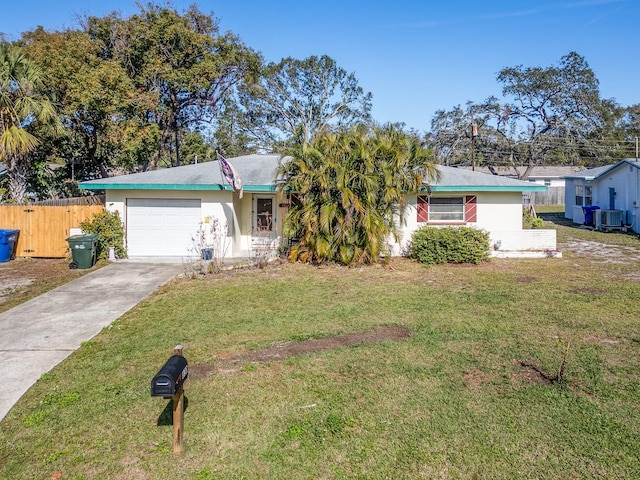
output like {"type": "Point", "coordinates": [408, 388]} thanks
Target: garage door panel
{"type": "Point", "coordinates": [162, 227]}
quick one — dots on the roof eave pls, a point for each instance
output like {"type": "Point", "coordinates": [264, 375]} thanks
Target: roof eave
{"type": "Point", "coordinates": [172, 186]}
{"type": "Point", "coordinates": [488, 188]}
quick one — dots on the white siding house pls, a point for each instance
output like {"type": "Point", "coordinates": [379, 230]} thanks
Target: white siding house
{"type": "Point", "coordinates": [612, 192]}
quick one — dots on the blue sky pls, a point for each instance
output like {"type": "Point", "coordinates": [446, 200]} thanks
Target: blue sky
{"type": "Point", "coordinates": [416, 57]}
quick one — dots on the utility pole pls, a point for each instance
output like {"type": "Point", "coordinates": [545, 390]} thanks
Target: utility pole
{"type": "Point", "coordinates": [474, 134]}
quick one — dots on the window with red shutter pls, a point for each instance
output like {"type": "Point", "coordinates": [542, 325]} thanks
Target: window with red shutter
{"type": "Point", "coordinates": [447, 210]}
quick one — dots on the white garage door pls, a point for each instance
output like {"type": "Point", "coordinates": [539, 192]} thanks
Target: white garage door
{"type": "Point", "coordinates": [161, 227]}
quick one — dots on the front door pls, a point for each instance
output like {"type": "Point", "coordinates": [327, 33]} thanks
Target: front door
{"type": "Point", "coordinates": [263, 241]}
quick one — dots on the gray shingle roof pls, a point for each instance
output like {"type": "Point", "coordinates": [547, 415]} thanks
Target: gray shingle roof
{"type": "Point", "coordinates": [257, 173]}
{"type": "Point", "coordinates": [453, 179]}
{"type": "Point", "coordinates": [539, 171]}
{"type": "Point", "coordinates": [594, 173]}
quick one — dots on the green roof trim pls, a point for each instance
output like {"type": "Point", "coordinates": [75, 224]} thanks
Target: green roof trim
{"type": "Point", "coordinates": [172, 186]}
{"type": "Point", "coordinates": [489, 188]}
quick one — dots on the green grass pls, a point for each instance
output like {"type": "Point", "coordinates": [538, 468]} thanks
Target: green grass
{"type": "Point", "coordinates": [452, 401]}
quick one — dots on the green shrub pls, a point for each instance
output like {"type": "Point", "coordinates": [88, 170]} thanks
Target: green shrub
{"type": "Point", "coordinates": [432, 245]}
{"type": "Point", "coordinates": [530, 221]}
{"type": "Point", "coordinates": [110, 230]}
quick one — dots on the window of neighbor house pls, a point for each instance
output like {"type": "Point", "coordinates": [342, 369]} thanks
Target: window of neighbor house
{"type": "Point", "coordinates": [583, 195]}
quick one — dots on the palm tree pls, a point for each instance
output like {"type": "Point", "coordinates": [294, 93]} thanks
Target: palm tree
{"type": "Point", "coordinates": [22, 108]}
{"type": "Point", "coordinates": [352, 188]}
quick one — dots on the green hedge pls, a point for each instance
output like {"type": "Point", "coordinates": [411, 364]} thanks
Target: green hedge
{"type": "Point", "coordinates": [432, 245]}
{"type": "Point", "coordinates": [110, 230]}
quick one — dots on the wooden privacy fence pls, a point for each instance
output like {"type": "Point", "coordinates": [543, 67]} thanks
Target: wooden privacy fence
{"type": "Point", "coordinates": [553, 196]}
{"type": "Point", "coordinates": [44, 229]}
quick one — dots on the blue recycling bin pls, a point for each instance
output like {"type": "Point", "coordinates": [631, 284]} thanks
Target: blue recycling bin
{"type": "Point", "coordinates": [589, 215]}
{"type": "Point", "coordinates": [8, 242]}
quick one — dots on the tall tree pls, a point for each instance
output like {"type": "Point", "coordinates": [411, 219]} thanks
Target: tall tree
{"type": "Point", "coordinates": [550, 107]}
{"type": "Point", "coordinates": [615, 138]}
{"type": "Point", "coordinates": [180, 64]}
{"type": "Point", "coordinates": [352, 186]}
{"type": "Point", "coordinates": [98, 104]}
{"type": "Point", "coordinates": [23, 107]}
{"type": "Point", "coordinates": [299, 99]}
{"type": "Point", "coordinates": [547, 115]}
{"type": "Point", "coordinates": [230, 137]}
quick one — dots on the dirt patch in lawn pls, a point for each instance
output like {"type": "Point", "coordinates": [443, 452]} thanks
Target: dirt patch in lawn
{"type": "Point", "coordinates": [603, 253]}
{"type": "Point", "coordinates": [282, 350]}
{"type": "Point", "coordinates": [476, 378]}
{"type": "Point", "coordinates": [526, 372]}
{"type": "Point", "coordinates": [25, 278]}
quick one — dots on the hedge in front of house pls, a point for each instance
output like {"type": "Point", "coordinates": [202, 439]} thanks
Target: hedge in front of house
{"type": "Point", "coordinates": [434, 245]}
{"type": "Point", "coordinates": [110, 230]}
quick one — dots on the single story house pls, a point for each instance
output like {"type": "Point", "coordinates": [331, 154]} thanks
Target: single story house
{"type": "Point", "coordinates": [608, 195]}
{"type": "Point", "coordinates": [163, 210]}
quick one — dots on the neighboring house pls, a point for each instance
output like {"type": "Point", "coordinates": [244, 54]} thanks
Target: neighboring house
{"type": "Point", "coordinates": [551, 176]}
{"type": "Point", "coordinates": [163, 210]}
{"type": "Point", "coordinates": [612, 192]}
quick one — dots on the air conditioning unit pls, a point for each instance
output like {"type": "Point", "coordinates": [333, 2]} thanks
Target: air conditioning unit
{"type": "Point", "coordinates": [611, 218]}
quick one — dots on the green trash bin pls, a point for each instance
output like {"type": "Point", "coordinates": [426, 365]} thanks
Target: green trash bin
{"type": "Point", "coordinates": [83, 250]}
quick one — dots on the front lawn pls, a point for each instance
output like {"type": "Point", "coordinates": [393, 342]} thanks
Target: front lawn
{"type": "Point", "coordinates": [475, 391]}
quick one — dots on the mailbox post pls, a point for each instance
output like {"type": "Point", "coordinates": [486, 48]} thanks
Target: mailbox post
{"type": "Point", "coordinates": [169, 383]}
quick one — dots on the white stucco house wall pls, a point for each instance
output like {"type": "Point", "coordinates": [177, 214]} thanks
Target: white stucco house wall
{"type": "Point", "coordinates": [614, 189]}
{"type": "Point", "coordinates": [488, 202]}
{"type": "Point", "coordinates": [163, 210]}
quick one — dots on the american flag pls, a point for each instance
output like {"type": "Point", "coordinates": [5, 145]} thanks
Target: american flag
{"type": "Point", "coordinates": [230, 175]}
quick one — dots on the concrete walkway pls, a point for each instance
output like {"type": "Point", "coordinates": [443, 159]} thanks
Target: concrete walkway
{"type": "Point", "coordinates": [39, 334]}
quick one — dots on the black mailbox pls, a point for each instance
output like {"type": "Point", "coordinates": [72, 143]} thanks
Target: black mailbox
{"type": "Point", "coordinates": [170, 377]}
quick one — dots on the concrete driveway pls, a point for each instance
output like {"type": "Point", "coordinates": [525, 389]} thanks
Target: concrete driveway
{"type": "Point", "coordinates": [39, 334]}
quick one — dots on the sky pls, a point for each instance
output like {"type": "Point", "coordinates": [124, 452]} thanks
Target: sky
{"type": "Point", "coordinates": [415, 57]}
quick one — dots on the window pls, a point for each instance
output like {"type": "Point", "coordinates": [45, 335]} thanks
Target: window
{"type": "Point", "coordinates": [583, 196]}
{"type": "Point", "coordinates": [447, 209]}
{"type": "Point", "coordinates": [264, 214]}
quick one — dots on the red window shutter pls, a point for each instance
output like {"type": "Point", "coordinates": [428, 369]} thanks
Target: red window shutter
{"type": "Point", "coordinates": [470, 209]}
{"type": "Point", "coordinates": [423, 209]}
